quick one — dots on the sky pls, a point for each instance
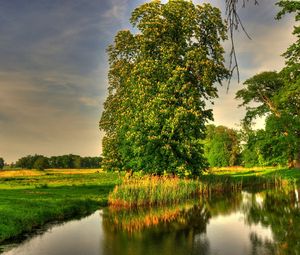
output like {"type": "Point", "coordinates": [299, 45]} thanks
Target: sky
{"type": "Point", "coordinates": [53, 69]}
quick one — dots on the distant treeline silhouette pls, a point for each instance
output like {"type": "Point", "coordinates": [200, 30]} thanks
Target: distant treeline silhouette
{"type": "Point", "coordinates": [41, 162]}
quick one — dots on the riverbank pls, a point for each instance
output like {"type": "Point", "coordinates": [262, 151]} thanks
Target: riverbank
{"type": "Point", "coordinates": [286, 174]}
{"type": "Point", "coordinates": [150, 190]}
{"type": "Point", "coordinates": [30, 199]}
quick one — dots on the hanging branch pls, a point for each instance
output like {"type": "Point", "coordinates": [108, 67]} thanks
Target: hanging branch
{"type": "Point", "coordinates": [234, 22]}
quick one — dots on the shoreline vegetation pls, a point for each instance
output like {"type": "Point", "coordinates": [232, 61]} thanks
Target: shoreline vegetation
{"type": "Point", "coordinates": [29, 199]}
{"type": "Point", "coordinates": [150, 190]}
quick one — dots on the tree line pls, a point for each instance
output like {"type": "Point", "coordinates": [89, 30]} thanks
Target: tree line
{"type": "Point", "coordinates": [246, 147]}
{"type": "Point", "coordinates": [41, 162]}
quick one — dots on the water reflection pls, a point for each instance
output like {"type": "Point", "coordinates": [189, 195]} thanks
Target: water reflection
{"type": "Point", "coordinates": [77, 237]}
{"type": "Point", "coordinates": [215, 226]}
{"type": "Point", "coordinates": [245, 223]}
{"type": "Point", "coordinates": [281, 212]}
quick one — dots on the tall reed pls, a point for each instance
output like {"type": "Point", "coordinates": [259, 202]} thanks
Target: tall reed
{"type": "Point", "coordinates": [154, 190]}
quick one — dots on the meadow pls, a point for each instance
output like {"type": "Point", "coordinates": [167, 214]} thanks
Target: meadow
{"type": "Point", "coordinates": [29, 199]}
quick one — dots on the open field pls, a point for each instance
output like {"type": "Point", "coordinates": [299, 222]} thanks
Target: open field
{"type": "Point", "coordinates": [29, 198]}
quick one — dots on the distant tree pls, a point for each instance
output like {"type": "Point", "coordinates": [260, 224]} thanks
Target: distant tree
{"type": "Point", "coordinates": [265, 147]}
{"type": "Point", "coordinates": [91, 162]}
{"type": "Point", "coordinates": [61, 162]}
{"type": "Point", "coordinates": [221, 146]}
{"type": "Point", "coordinates": [1, 163]}
{"type": "Point", "coordinates": [41, 163]}
{"type": "Point", "coordinates": [27, 162]}
{"type": "Point", "coordinates": [159, 82]}
{"type": "Point", "coordinates": [76, 161]}
{"type": "Point", "coordinates": [53, 162]}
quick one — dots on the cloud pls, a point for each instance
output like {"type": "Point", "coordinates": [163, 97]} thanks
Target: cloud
{"type": "Point", "coordinates": [116, 11]}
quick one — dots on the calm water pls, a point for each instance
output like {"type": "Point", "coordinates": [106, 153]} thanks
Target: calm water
{"type": "Point", "coordinates": [247, 223]}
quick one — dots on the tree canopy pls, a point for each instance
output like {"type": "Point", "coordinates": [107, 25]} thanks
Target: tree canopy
{"type": "Point", "coordinates": [160, 79]}
{"type": "Point", "coordinates": [221, 146]}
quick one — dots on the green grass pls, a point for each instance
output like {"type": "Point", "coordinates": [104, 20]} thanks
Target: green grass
{"type": "Point", "coordinates": [28, 202]}
{"type": "Point", "coordinates": [288, 175]}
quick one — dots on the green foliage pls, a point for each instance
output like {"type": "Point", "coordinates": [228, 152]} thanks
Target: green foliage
{"type": "Point", "coordinates": [221, 146]}
{"type": "Point", "coordinates": [62, 162]}
{"type": "Point", "coordinates": [261, 89]}
{"type": "Point", "coordinates": [278, 99]}
{"type": "Point", "coordinates": [159, 80]}
{"type": "Point", "coordinates": [292, 54]}
{"type": "Point", "coordinates": [41, 163]}
{"type": "Point", "coordinates": [265, 148]}
{"type": "Point", "coordinates": [1, 163]}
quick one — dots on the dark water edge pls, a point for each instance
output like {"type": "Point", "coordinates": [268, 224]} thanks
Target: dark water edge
{"type": "Point", "coordinates": [39, 230]}
{"type": "Point", "coordinates": [261, 222]}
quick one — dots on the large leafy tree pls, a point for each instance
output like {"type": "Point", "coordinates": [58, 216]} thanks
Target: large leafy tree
{"type": "Point", "coordinates": [159, 81]}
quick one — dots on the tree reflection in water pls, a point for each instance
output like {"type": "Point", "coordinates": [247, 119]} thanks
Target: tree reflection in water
{"type": "Point", "coordinates": [168, 230]}
{"type": "Point", "coordinates": [280, 210]}
{"type": "Point", "coordinates": [182, 229]}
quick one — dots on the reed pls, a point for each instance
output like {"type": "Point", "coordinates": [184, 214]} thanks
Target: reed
{"type": "Point", "coordinates": [161, 190]}
{"type": "Point", "coordinates": [155, 190]}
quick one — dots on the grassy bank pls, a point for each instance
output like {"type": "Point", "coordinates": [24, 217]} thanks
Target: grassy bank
{"type": "Point", "coordinates": [249, 174]}
{"type": "Point", "coordinates": [29, 199]}
{"type": "Point", "coordinates": [153, 190]}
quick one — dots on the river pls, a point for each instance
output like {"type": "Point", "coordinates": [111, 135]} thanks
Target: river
{"type": "Point", "coordinates": [265, 222]}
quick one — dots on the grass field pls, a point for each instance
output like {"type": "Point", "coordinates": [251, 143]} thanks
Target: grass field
{"type": "Point", "coordinates": [29, 198]}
